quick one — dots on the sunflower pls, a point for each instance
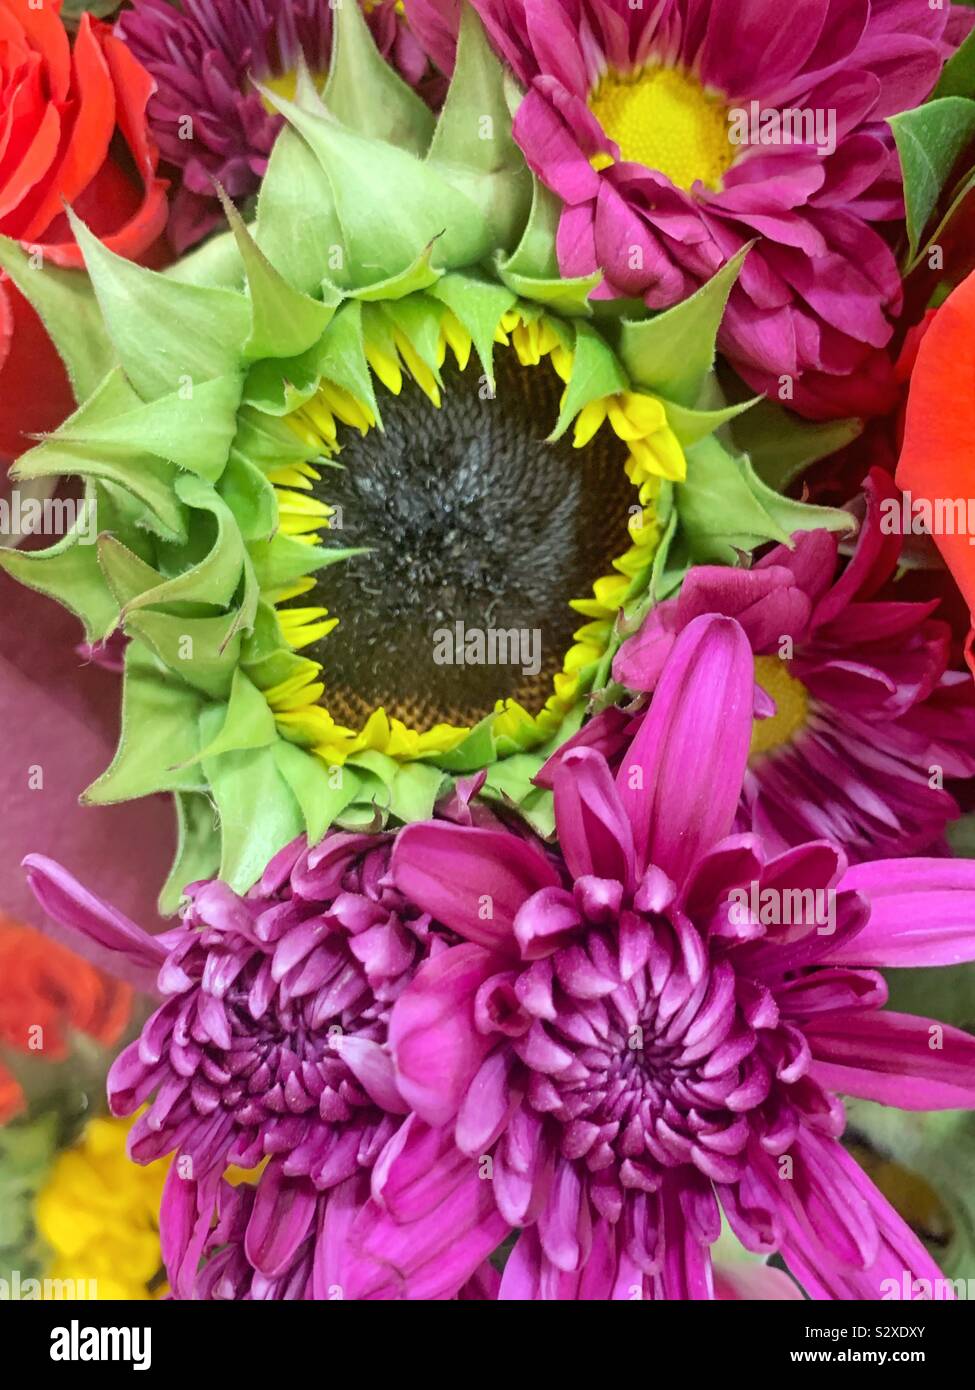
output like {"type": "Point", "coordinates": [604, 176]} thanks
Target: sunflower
{"type": "Point", "coordinates": [378, 491]}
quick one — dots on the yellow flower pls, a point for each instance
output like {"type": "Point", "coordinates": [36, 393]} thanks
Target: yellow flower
{"type": "Point", "coordinates": [99, 1214]}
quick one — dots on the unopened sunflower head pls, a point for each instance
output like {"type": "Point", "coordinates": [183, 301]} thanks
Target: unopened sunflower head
{"type": "Point", "coordinates": [377, 491]}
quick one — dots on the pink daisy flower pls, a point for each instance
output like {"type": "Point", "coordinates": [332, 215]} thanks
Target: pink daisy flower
{"type": "Point", "coordinates": [859, 721]}
{"type": "Point", "coordinates": [622, 1049]}
{"type": "Point", "coordinates": [647, 121]}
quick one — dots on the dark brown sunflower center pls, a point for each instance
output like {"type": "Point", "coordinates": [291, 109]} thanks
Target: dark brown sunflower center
{"type": "Point", "coordinates": [479, 533]}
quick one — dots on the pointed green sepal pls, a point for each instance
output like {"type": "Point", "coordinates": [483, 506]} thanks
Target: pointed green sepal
{"type": "Point", "coordinates": [781, 445]}
{"type": "Point", "coordinates": [532, 272]}
{"type": "Point", "coordinates": [473, 146]}
{"type": "Point", "coordinates": [297, 224]}
{"type": "Point", "coordinates": [691, 425]}
{"type": "Point", "coordinates": [166, 334]}
{"type": "Point", "coordinates": [197, 848]}
{"type": "Point", "coordinates": [192, 428]}
{"type": "Point", "coordinates": [674, 352]}
{"type": "Point", "coordinates": [366, 93]}
{"type": "Point", "coordinates": [478, 305]}
{"type": "Point", "coordinates": [418, 276]}
{"type": "Point", "coordinates": [68, 571]}
{"type": "Point", "coordinates": [724, 508]}
{"type": "Point", "coordinates": [66, 305]}
{"type": "Point", "coordinates": [323, 793]}
{"type": "Point", "coordinates": [284, 321]}
{"type": "Point", "coordinates": [159, 734]}
{"type": "Point", "coordinates": [205, 652]}
{"type": "Point", "coordinates": [368, 174]}
{"type": "Point", "coordinates": [241, 782]}
{"type": "Point", "coordinates": [596, 373]}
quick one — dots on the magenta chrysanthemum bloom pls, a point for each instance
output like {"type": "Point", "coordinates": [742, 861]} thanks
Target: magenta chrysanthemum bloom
{"type": "Point", "coordinates": [859, 720]}
{"type": "Point", "coordinates": [315, 1269]}
{"type": "Point", "coordinates": [203, 55]}
{"type": "Point", "coordinates": [269, 1044]}
{"type": "Point", "coordinates": [625, 1046]}
{"type": "Point", "coordinates": [646, 121]}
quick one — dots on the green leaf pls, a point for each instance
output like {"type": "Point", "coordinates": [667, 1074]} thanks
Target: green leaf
{"type": "Point", "coordinates": [691, 425]}
{"type": "Point", "coordinates": [674, 352]}
{"type": "Point", "coordinates": [250, 497]}
{"type": "Point", "coordinates": [248, 722]}
{"type": "Point", "coordinates": [284, 321]}
{"type": "Point", "coordinates": [72, 10]}
{"type": "Point", "coordinates": [532, 271]}
{"type": "Point", "coordinates": [366, 93]}
{"type": "Point", "coordinates": [534, 258]}
{"type": "Point", "coordinates": [279, 562]}
{"type": "Point", "coordinates": [269, 443]}
{"type": "Point", "coordinates": [217, 576]}
{"type": "Point", "coordinates": [959, 195]}
{"type": "Point", "coordinates": [414, 792]}
{"type": "Point", "coordinates": [475, 751]}
{"type": "Point", "coordinates": [204, 651]}
{"type": "Point", "coordinates": [570, 298]}
{"type": "Point", "coordinates": [148, 479]}
{"type": "Point", "coordinates": [66, 304]}
{"type": "Point", "coordinates": [510, 781]}
{"type": "Point", "coordinates": [724, 508]}
{"type": "Point", "coordinates": [152, 480]}
{"type": "Point", "coordinates": [781, 445]}
{"type": "Point", "coordinates": [165, 333]}
{"type": "Point", "coordinates": [419, 276]}
{"type": "Point", "coordinates": [596, 373]}
{"type": "Point", "coordinates": [342, 358]}
{"type": "Point", "coordinates": [126, 574]}
{"type": "Point", "coordinates": [929, 139]}
{"type": "Point", "coordinates": [418, 319]}
{"type": "Point", "coordinates": [958, 74]}
{"type": "Point", "coordinates": [215, 263]}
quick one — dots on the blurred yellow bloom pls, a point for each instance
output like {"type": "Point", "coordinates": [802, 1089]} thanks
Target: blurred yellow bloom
{"type": "Point", "coordinates": [99, 1213]}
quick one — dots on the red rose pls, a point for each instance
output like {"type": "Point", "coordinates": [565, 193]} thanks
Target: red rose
{"type": "Point", "coordinates": [72, 130]}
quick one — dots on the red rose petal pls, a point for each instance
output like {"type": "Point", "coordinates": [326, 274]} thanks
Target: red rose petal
{"type": "Point", "coordinates": [90, 136]}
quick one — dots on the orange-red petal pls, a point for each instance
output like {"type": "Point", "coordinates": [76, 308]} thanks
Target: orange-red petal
{"type": "Point", "coordinates": [937, 459]}
{"type": "Point", "coordinates": [90, 135]}
{"type": "Point", "coordinates": [47, 35]}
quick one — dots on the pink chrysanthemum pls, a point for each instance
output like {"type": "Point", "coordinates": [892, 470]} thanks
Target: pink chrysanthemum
{"type": "Point", "coordinates": [859, 720]}
{"type": "Point", "coordinates": [621, 1048]}
{"type": "Point", "coordinates": [314, 1271]}
{"type": "Point", "coordinates": [633, 117]}
{"type": "Point", "coordinates": [268, 1047]}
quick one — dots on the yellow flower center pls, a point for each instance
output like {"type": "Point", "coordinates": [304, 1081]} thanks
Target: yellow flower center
{"type": "Point", "coordinates": [664, 119]}
{"type": "Point", "coordinates": [791, 706]}
{"type": "Point", "coordinates": [287, 86]}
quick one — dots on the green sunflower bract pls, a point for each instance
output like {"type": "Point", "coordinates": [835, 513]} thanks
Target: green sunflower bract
{"type": "Point", "coordinates": [391, 254]}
